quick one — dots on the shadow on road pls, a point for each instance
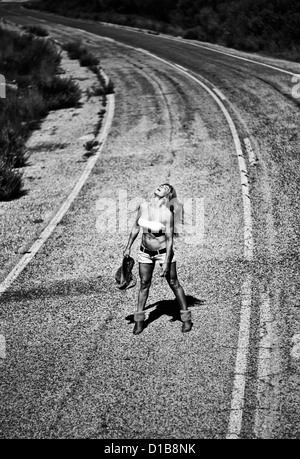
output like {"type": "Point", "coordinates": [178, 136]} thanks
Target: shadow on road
{"type": "Point", "coordinates": [166, 307]}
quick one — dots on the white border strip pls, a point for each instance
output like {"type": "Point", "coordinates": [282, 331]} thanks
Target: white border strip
{"type": "Point", "coordinates": [251, 154]}
{"type": "Point", "coordinates": [220, 94]}
{"type": "Point", "coordinates": [2, 347]}
{"type": "Point", "coordinates": [46, 233]}
{"type": "Point", "coordinates": [264, 371]}
{"type": "Point", "coordinates": [239, 386]}
{"type": "Point", "coordinates": [180, 67]}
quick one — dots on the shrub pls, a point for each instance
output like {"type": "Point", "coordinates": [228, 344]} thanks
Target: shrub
{"type": "Point", "coordinates": [87, 59]}
{"type": "Point", "coordinates": [252, 44]}
{"type": "Point", "coordinates": [20, 112]}
{"type": "Point", "coordinates": [294, 53]}
{"type": "Point", "coordinates": [97, 91]}
{"type": "Point", "coordinates": [36, 30]}
{"type": "Point", "coordinates": [74, 49]}
{"type": "Point", "coordinates": [60, 93]}
{"type": "Point", "coordinates": [23, 56]}
{"type": "Point", "coordinates": [12, 144]}
{"type": "Point", "coordinates": [25, 105]}
{"type": "Point", "coordinates": [196, 33]}
{"type": "Point", "coordinates": [109, 88]}
{"type": "Point", "coordinates": [11, 182]}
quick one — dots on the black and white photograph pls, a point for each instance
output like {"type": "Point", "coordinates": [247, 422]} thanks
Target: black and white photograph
{"type": "Point", "coordinates": [150, 222]}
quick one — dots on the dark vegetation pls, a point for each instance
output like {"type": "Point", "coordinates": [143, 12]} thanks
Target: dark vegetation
{"type": "Point", "coordinates": [76, 50]}
{"type": "Point", "coordinates": [36, 30]}
{"type": "Point", "coordinates": [30, 65]}
{"type": "Point", "coordinates": [270, 26]}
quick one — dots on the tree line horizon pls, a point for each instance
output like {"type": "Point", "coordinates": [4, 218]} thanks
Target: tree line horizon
{"type": "Point", "coordinates": [270, 26]}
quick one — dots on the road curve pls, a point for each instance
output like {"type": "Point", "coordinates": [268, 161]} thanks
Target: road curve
{"type": "Point", "coordinates": [167, 125]}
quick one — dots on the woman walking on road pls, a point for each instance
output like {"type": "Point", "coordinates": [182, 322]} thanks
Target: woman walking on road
{"type": "Point", "coordinates": [156, 218]}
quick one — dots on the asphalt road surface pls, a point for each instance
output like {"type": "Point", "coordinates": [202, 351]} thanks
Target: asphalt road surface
{"type": "Point", "coordinates": [72, 367]}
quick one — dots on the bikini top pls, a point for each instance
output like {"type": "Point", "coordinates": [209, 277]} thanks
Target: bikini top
{"type": "Point", "coordinates": [155, 228]}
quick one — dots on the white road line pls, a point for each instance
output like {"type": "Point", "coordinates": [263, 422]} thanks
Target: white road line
{"type": "Point", "coordinates": [105, 77]}
{"type": "Point", "coordinates": [251, 154]}
{"type": "Point", "coordinates": [2, 347]}
{"type": "Point", "coordinates": [261, 427]}
{"type": "Point", "coordinates": [110, 40]}
{"type": "Point", "coordinates": [26, 259]}
{"type": "Point", "coordinates": [181, 68]}
{"type": "Point", "coordinates": [238, 396]}
{"type": "Point", "coordinates": [295, 350]}
{"type": "Point", "coordinates": [220, 94]}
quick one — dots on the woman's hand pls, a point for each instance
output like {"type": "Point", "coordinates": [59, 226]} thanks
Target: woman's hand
{"type": "Point", "coordinates": [165, 269]}
{"type": "Point", "coordinates": [126, 253]}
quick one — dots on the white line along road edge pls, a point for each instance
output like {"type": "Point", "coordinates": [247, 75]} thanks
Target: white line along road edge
{"type": "Point", "coordinates": [239, 384]}
{"type": "Point", "coordinates": [46, 233]}
{"type": "Point", "coordinates": [251, 154]}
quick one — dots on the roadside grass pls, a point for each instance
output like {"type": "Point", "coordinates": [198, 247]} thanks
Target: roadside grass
{"type": "Point", "coordinates": [107, 87]}
{"type": "Point", "coordinates": [60, 93]}
{"type": "Point", "coordinates": [87, 59]}
{"type": "Point", "coordinates": [76, 50]}
{"type": "Point", "coordinates": [37, 30]}
{"type": "Point", "coordinates": [292, 54]}
{"type": "Point", "coordinates": [30, 65]}
{"type": "Point", "coordinates": [10, 181]}
{"type": "Point", "coordinates": [73, 48]}
{"type": "Point", "coordinates": [26, 58]}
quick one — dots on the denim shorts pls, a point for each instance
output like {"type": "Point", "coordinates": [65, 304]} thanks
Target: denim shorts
{"type": "Point", "coordinates": [144, 257]}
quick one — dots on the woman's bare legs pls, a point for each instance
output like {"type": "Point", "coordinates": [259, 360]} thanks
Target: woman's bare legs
{"type": "Point", "coordinates": [178, 291]}
{"type": "Point", "coordinates": [146, 272]}
{"type": "Point", "coordinates": [176, 288]}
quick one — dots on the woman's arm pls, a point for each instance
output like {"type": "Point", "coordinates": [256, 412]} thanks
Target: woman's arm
{"type": "Point", "coordinates": [133, 234]}
{"type": "Point", "coordinates": [169, 240]}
